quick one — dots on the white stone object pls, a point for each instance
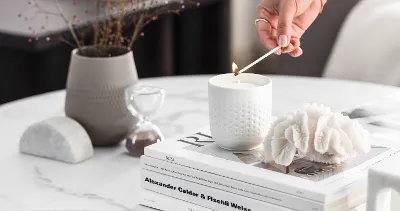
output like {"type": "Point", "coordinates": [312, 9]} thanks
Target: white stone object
{"type": "Point", "coordinates": [382, 179]}
{"type": "Point", "coordinates": [58, 138]}
{"type": "Point", "coordinates": [318, 134]}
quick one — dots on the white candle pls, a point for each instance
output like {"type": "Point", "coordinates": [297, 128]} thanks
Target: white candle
{"type": "Point", "coordinates": [240, 85]}
{"type": "Point", "coordinates": [232, 102]}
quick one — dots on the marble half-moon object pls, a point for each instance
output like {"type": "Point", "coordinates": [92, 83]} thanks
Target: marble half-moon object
{"type": "Point", "coordinates": [57, 138]}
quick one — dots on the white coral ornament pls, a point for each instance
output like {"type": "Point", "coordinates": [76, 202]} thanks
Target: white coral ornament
{"type": "Point", "coordinates": [316, 133]}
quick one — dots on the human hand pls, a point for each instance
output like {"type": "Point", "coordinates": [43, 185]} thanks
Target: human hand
{"type": "Point", "coordinates": [283, 22]}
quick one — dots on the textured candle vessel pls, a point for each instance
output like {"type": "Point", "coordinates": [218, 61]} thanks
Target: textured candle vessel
{"type": "Point", "coordinates": [240, 110]}
{"type": "Point", "coordinates": [58, 138]}
{"type": "Point", "coordinates": [316, 133]}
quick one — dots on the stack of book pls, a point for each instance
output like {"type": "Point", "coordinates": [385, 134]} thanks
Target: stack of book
{"type": "Point", "coordinates": [194, 173]}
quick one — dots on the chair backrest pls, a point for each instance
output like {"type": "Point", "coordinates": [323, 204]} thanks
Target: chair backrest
{"type": "Point", "coordinates": [368, 46]}
{"type": "Point", "coordinates": [318, 41]}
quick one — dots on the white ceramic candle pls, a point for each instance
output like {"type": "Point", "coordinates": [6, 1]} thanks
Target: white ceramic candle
{"type": "Point", "coordinates": [240, 110]}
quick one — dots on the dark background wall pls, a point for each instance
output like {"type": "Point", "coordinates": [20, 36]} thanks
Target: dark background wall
{"type": "Point", "coordinates": [195, 42]}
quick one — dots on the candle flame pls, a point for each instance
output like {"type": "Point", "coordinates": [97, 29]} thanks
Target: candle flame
{"type": "Point", "coordinates": [234, 67]}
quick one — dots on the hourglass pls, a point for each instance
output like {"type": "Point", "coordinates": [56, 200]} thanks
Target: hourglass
{"type": "Point", "coordinates": [143, 101]}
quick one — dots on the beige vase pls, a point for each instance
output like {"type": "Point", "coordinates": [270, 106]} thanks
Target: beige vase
{"type": "Point", "coordinates": [95, 96]}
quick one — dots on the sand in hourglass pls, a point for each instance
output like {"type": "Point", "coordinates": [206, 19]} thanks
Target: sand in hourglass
{"type": "Point", "coordinates": [143, 101]}
{"type": "Point", "coordinates": [136, 142]}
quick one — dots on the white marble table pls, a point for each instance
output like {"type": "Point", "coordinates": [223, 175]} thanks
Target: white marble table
{"type": "Point", "coordinates": [110, 180]}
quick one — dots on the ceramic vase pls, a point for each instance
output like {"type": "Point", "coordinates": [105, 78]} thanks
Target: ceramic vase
{"type": "Point", "coordinates": [95, 95]}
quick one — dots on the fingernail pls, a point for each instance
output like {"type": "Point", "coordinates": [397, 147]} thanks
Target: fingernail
{"type": "Point", "coordinates": [298, 53]}
{"type": "Point", "coordinates": [283, 41]}
{"type": "Point", "coordinates": [301, 52]}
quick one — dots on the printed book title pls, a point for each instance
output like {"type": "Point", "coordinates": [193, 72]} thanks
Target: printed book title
{"type": "Point", "coordinates": [194, 194]}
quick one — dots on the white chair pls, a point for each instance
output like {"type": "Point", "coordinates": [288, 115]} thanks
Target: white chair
{"type": "Point", "coordinates": [368, 46]}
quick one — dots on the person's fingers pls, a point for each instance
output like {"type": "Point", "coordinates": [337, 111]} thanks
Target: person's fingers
{"type": "Point", "coordinates": [265, 12]}
{"type": "Point", "coordinates": [304, 19]}
{"type": "Point", "coordinates": [294, 43]}
{"type": "Point", "coordinates": [267, 35]}
{"type": "Point", "coordinates": [289, 48]}
{"type": "Point", "coordinates": [287, 11]}
{"type": "Point", "coordinates": [296, 52]}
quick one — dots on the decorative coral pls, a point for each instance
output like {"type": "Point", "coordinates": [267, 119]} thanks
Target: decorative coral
{"type": "Point", "coordinates": [316, 133]}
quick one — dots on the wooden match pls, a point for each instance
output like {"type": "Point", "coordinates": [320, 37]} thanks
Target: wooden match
{"type": "Point", "coordinates": [256, 61]}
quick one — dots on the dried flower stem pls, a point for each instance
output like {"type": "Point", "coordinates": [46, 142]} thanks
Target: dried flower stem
{"type": "Point", "coordinates": [138, 27]}
{"type": "Point", "coordinates": [70, 27]}
{"type": "Point", "coordinates": [66, 42]}
{"type": "Point", "coordinates": [96, 28]}
{"type": "Point", "coordinates": [119, 23]}
{"type": "Point", "coordinates": [103, 40]}
{"type": "Point", "coordinates": [110, 21]}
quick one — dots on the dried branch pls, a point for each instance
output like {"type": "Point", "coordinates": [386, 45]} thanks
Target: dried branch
{"type": "Point", "coordinates": [119, 23]}
{"type": "Point", "coordinates": [96, 26]}
{"type": "Point", "coordinates": [138, 28]}
{"type": "Point", "coordinates": [66, 42]}
{"type": "Point", "coordinates": [110, 21]}
{"type": "Point", "coordinates": [70, 27]}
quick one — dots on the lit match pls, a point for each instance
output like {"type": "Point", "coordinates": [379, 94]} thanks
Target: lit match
{"type": "Point", "coordinates": [256, 61]}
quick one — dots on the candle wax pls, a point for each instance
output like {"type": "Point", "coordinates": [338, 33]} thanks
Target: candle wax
{"type": "Point", "coordinates": [240, 85]}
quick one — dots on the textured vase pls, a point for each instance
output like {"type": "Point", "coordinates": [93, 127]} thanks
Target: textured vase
{"type": "Point", "coordinates": [95, 96]}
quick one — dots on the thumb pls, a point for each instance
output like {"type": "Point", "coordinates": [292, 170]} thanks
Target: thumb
{"type": "Point", "coordinates": [287, 11]}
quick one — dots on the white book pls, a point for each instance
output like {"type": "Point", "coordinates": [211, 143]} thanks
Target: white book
{"type": "Point", "coordinates": [321, 183]}
{"type": "Point", "coordinates": [166, 203]}
{"type": "Point", "coordinates": [201, 195]}
{"type": "Point", "coordinates": [381, 117]}
{"type": "Point", "coordinates": [229, 185]}
{"type": "Point", "coordinates": [199, 152]}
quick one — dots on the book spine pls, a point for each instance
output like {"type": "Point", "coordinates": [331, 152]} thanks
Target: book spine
{"type": "Point", "coordinates": [201, 195]}
{"type": "Point", "coordinates": [229, 185]}
{"type": "Point", "coordinates": [260, 181]}
{"type": "Point", "coordinates": [162, 202]}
